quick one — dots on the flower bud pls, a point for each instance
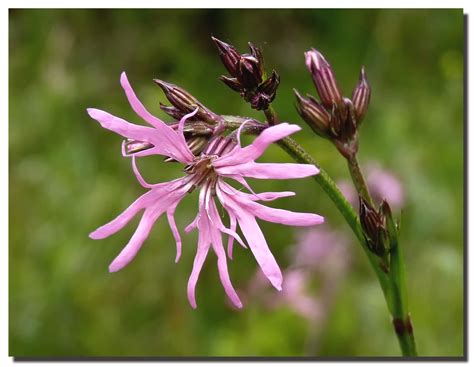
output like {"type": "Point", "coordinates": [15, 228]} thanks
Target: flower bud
{"type": "Point", "coordinates": [265, 93]}
{"type": "Point", "coordinates": [361, 96]}
{"type": "Point", "coordinates": [132, 146]}
{"type": "Point", "coordinates": [185, 103]}
{"type": "Point", "coordinates": [347, 121]}
{"type": "Point", "coordinates": [172, 111]}
{"type": "Point", "coordinates": [178, 97]}
{"type": "Point", "coordinates": [197, 144]}
{"type": "Point", "coordinates": [249, 73]}
{"type": "Point", "coordinates": [373, 225]}
{"type": "Point", "coordinates": [232, 83]}
{"type": "Point", "coordinates": [229, 55]}
{"type": "Point", "coordinates": [314, 114]}
{"type": "Point", "coordinates": [270, 85]}
{"type": "Point", "coordinates": [323, 78]}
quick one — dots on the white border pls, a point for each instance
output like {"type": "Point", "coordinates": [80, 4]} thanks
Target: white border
{"type": "Point", "coordinates": [4, 359]}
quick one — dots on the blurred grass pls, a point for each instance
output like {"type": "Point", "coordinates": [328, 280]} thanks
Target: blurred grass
{"type": "Point", "coordinates": [67, 177]}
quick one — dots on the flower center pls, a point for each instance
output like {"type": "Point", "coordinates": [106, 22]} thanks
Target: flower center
{"type": "Point", "coordinates": [202, 170]}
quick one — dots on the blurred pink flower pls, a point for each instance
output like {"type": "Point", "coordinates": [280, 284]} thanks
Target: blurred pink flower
{"type": "Point", "coordinates": [223, 158]}
{"type": "Point", "coordinates": [322, 256]}
{"type": "Point", "coordinates": [382, 185]}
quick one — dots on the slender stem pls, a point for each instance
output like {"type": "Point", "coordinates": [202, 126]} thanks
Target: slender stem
{"type": "Point", "coordinates": [271, 115]}
{"type": "Point", "coordinates": [401, 318]}
{"type": "Point", "coordinates": [358, 179]}
{"type": "Point", "coordinates": [393, 284]}
{"type": "Point", "coordinates": [344, 207]}
{"type": "Point", "coordinates": [396, 296]}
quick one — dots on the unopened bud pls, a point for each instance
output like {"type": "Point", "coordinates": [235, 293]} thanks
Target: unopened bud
{"type": "Point", "coordinates": [270, 85]}
{"type": "Point", "coordinates": [323, 78]}
{"type": "Point", "coordinates": [314, 114]}
{"type": "Point", "coordinates": [249, 73]}
{"type": "Point", "coordinates": [197, 144]}
{"type": "Point", "coordinates": [348, 122]}
{"type": "Point", "coordinates": [361, 96]}
{"type": "Point", "coordinates": [178, 97]}
{"type": "Point", "coordinates": [229, 55]}
{"type": "Point", "coordinates": [132, 146]}
{"type": "Point", "coordinates": [172, 111]}
{"type": "Point", "coordinates": [373, 225]}
{"type": "Point", "coordinates": [185, 103]}
{"type": "Point", "coordinates": [265, 93]}
{"type": "Point", "coordinates": [232, 83]}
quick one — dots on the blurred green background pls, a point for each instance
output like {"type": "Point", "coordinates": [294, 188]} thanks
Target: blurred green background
{"type": "Point", "coordinates": [67, 177]}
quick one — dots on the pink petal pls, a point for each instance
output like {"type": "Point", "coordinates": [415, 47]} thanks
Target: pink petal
{"type": "Point", "coordinates": [174, 189]}
{"type": "Point", "coordinates": [118, 223]}
{"type": "Point", "coordinates": [217, 222]}
{"type": "Point", "coordinates": [258, 246]}
{"type": "Point", "coordinates": [192, 226]}
{"type": "Point", "coordinates": [136, 105]}
{"type": "Point", "coordinates": [184, 118]}
{"type": "Point", "coordinates": [222, 267]}
{"type": "Point", "coordinates": [171, 142]}
{"type": "Point", "coordinates": [233, 227]}
{"type": "Point", "coordinates": [174, 230]}
{"type": "Point", "coordinates": [255, 239]}
{"type": "Point", "coordinates": [204, 243]}
{"type": "Point", "coordinates": [138, 175]}
{"type": "Point", "coordinates": [270, 214]}
{"type": "Point", "coordinates": [262, 196]}
{"type": "Point", "coordinates": [282, 216]}
{"type": "Point", "coordinates": [270, 170]}
{"type": "Point", "coordinates": [167, 199]}
{"type": "Point", "coordinates": [124, 128]}
{"type": "Point", "coordinates": [259, 145]}
{"type": "Point", "coordinates": [136, 242]}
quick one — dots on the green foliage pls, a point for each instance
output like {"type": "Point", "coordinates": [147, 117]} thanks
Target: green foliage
{"type": "Point", "coordinates": [67, 177]}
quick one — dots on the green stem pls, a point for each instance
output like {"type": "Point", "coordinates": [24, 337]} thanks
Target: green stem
{"type": "Point", "coordinates": [396, 296]}
{"type": "Point", "coordinates": [271, 115]}
{"type": "Point", "coordinates": [344, 207]}
{"type": "Point", "coordinates": [393, 283]}
{"type": "Point", "coordinates": [358, 179]}
{"type": "Point", "coordinates": [401, 317]}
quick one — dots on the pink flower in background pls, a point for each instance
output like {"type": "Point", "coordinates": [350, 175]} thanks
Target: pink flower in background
{"type": "Point", "coordinates": [382, 185]}
{"type": "Point", "coordinates": [223, 158]}
{"type": "Point", "coordinates": [321, 256]}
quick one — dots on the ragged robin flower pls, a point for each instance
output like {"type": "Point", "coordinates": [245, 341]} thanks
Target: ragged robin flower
{"type": "Point", "coordinates": [222, 159]}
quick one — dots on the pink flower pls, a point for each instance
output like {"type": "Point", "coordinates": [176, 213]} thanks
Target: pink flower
{"type": "Point", "coordinates": [223, 158]}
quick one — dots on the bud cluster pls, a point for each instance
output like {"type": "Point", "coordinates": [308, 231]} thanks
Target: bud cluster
{"type": "Point", "coordinates": [247, 75]}
{"type": "Point", "coordinates": [334, 117]}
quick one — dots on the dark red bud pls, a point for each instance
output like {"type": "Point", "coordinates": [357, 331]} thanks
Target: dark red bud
{"type": "Point", "coordinates": [314, 114]}
{"type": "Point", "coordinates": [323, 78]}
{"type": "Point", "coordinates": [228, 54]}
{"type": "Point", "coordinates": [373, 225]}
{"type": "Point", "coordinates": [270, 85]}
{"type": "Point", "coordinates": [248, 72]}
{"type": "Point", "coordinates": [232, 83]}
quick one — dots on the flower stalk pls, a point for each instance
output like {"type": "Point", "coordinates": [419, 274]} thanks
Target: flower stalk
{"type": "Point", "coordinates": [393, 283]}
{"type": "Point", "coordinates": [358, 178]}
